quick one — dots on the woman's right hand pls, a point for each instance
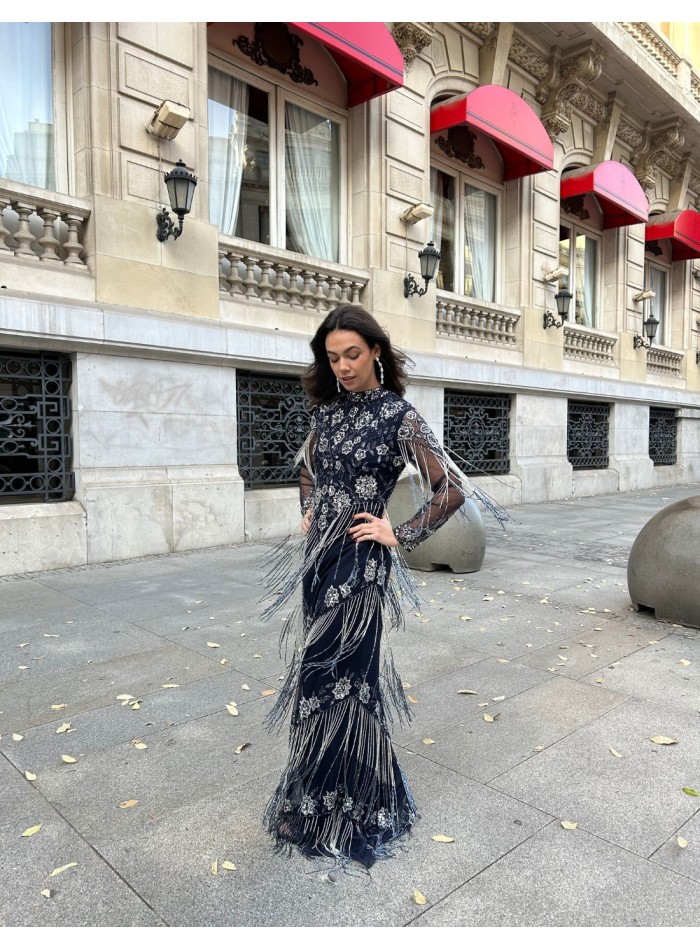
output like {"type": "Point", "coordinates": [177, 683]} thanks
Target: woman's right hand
{"type": "Point", "coordinates": [306, 522]}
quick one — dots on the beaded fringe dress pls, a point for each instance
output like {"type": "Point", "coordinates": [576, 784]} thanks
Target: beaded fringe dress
{"type": "Point", "coordinates": [343, 794]}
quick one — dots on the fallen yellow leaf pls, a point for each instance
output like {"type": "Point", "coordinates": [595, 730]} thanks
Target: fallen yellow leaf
{"type": "Point", "coordinates": [64, 867]}
{"type": "Point", "coordinates": [124, 696]}
{"type": "Point", "coordinates": [140, 745]}
{"type": "Point", "coordinates": [214, 645]}
{"type": "Point", "coordinates": [663, 740]}
{"type": "Point", "coordinates": [488, 718]}
{"type": "Point", "coordinates": [240, 748]}
{"type": "Point", "coordinates": [245, 687]}
{"type": "Point", "coordinates": [170, 686]}
{"type": "Point", "coordinates": [129, 804]}
{"type": "Point", "coordinates": [428, 741]}
{"type": "Point", "coordinates": [46, 892]}
{"type": "Point", "coordinates": [412, 699]}
{"type": "Point", "coordinates": [466, 692]}
{"type": "Point", "coordinates": [497, 699]}
{"type": "Point", "coordinates": [257, 656]}
{"type": "Point", "coordinates": [228, 866]}
{"type": "Point", "coordinates": [465, 617]}
{"type": "Point", "coordinates": [569, 825]}
{"type": "Point", "coordinates": [615, 752]}
{"type": "Point", "coordinates": [268, 692]}
{"type": "Point", "coordinates": [17, 737]}
{"type": "Point", "coordinates": [684, 663]}
{"type": "Point", "coordinates": [63, 705]}
{"type": "Point", "coordinates": [223, 662]}
{"type": "Point", "coordinates": [30, 831]}
{"type": "Point", "coordinates": [215, 867]}
{"type": "Point", "coordinates": [232, 709]}
{"type": "Point", "coordinates": [30, 776]}
{"type": "Point", "coordinates": [538, 748]}
{"type": "Point", "coordinates": [443, 838]}
{"type": "Point", "coordinates": [418, 897]}
{"type": "Point", "coordinates": [135, 705]}
{"type": "Point", "coordinates": [64, 728]}
{"type": "Point", "coordinates": [69, 759]}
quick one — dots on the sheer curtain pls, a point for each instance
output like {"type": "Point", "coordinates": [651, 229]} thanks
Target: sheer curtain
{"type": "Point", "coordinates": [312, 177]}
{"type": "Point", "coordinates": [442, 225]}
{"type": "Point", "coordinates": [657, 306]}
{"type": "Point", "coordinates": [586, 258]}
{"type": "Point", "coordinates": [228, 127]}
{"type": "Point", "coordinates": [26, 104]}
{"type": "Point", "coordinates": [480, 238]}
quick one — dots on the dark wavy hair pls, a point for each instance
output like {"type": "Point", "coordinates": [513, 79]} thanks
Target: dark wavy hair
{"type": "Point", "coordinates": [319, 381]}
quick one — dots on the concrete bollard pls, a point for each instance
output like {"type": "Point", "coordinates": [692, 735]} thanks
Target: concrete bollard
{"type": "Point", "coordinates": [663, 571]}
{"type": "Point", "coordinates": [456, 545]}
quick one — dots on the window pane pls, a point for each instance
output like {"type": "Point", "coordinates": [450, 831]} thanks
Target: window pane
{"type": "Point", "coordinates": [26, 104]}
{"type": "Point", "coordinates": [479, 243]}
{"type": "Point", "coordinates": [585, 280]}
{"type": "Point", "coordinates": [239, 158]}
{"type": "Point", "coordinates": [312, 179]}
{"type": "Point", "coordinates": [657, 306]}
{"type": "Point", "coordinates": [442, 234]}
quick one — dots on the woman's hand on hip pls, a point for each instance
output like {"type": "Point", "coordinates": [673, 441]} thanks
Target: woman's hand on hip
{"type": "Point", "coordinates": [372, 528]}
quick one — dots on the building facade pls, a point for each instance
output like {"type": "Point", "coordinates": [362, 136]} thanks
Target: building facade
{"type": "Point", "coordinates": [149, 395]}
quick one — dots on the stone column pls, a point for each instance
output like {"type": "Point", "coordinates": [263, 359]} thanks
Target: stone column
{"type": "Point", "coordinates": [629, 446]}
{"type": "Point", "coordinates": [539, 438]}
{"type": "Point", "coordinates": [688, 436]}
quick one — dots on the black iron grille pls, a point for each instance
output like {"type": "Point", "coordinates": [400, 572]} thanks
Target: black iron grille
{"type": "Point", "coordinates": [35, 417]}
{"type": "Point", "coordinates": [477, 428]}
{"type": "Point", "coordinates": [662, 436]}
{"type": "Point", "coordinates": [274, 417]}
{"type": "Point", "coordinates": [587, 434]}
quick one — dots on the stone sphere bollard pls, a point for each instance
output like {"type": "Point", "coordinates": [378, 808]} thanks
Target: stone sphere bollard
{"type": "Point", "coordinates": [663, 571]}
{"type": "Point", "coordinates": [456, 545]}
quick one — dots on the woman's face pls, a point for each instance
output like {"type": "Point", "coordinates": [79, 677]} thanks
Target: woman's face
{"type": "Point", "coordinates": [352, 360]}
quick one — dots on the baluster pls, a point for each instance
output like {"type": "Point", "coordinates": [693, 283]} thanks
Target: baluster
{"type": "Point", "coordinates": [320, 295]}
{"type": "Point", "coordinates": [265, 287]}
{"type": "Point", "coordinates": [49, 242]}
{"type": "Point", "coordinates": [306, 296]}
{"type": "Point", "coordinates": [440, 316]}
{"type": "Point", "coordinates": [234, 279]}
{"type": "Point", "coordinates": [249, 281]}
{"type": "Point", "coordinates": [357, 287]}
{"type": "Point", "coordinates": [279, 290]}
{"type": "Point", "coordinates": [73, 244]}
{"type": "Point", "coordinates": [4, 232]}
{"type": "Point", "coordinates": [450, 319]}
{"type": "Point", "coordinates": [223, 256]}
{"type": "Point", "coordinates": [333, 298]}
{"type": "Point", "coordinates": [294, 292]}
{"type": "Point", "coordinates": [24, 236]}
{"type": "Point", "coordinates": [344, 290]}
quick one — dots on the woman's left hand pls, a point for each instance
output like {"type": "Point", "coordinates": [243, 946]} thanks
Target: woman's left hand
{"type": "Point", "coordinates": [372, 528]}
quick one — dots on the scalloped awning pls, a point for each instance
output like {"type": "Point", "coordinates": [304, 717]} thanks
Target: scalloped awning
{"type": "Point", "coordinates": [508, 120]}
{"type": "Point", "coordinates": [366, 54]}
{"type": "Point", "coordinates": [621, 197]}
{"type": "Point", "coordinates": [682, 228]}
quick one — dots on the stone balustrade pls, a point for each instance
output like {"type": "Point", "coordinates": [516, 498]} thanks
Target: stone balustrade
{"type": "Point", "coordinates": [283, 278]}
{"type": "Point", "coordinates": [465, 319]}
{"type": "Point", "coordinates": [584, 343]}
{"type": "Point", "coordinates": [665, 361]}
{"type": "Point", "coordinates": [36, 225]}
{"type": "Point", "coordinates": [655, 44]}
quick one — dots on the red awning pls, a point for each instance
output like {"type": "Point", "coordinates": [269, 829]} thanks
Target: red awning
{"type": "Point", "coordinates": [514, 127]}
{"type": "Point", "coordinates": [621, 197]}
{"type": "Point", "coordinates": [682, 228]}
{"type": "Point", "coordinates": [366, 53]}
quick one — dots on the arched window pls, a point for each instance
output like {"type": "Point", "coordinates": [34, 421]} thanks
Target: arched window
{"type": "Point", "coordinates": [657, 277]}
{"type": "Point", "coordinates": [580, 238]}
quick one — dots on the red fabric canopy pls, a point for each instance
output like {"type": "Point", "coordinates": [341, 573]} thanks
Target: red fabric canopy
{"type": "Point", "coordinates": [514, 127]}
{"type": "Point", "coordinates": [366, 53]}
{"type": "Point", "coordinates": [621, 197]}
{"type": "Point", "coordinates": [682, 228]}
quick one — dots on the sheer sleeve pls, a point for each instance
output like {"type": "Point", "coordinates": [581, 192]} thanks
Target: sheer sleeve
{"type": "Point", "coordinates": [307, 477]}
{"type": "Point", "coordinates": [438, 482]}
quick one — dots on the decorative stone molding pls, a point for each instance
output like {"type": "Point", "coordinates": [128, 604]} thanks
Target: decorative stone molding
{"type": "Point", "coordinates": [591, 106]}
{"type": "Point", "coordinates": [485, 31]}
{"type": "Point", "coordinates": [459, 144]}
{"type": "Point", "coordinates": [664, 361]}
{"type": "Point", "coordinates": [412, 39]}
{"type": "Point", "coordinates": [654, 45]}
{"type": "Point", "coordinates": [528, 58]}
{"type": "Point", "coordinates": [575, 207]}
{"type": "Point", "coordinates": [583, 343]}
{"type": "Point", "coordinates": [629, 135]}
{"type": "Point", "coordinates": [695, 86]}
{"type": "Point", "coordinates": [656, 153]}
{"type": "Point", "coordinates": [694, 184]}
{"type": "Point", "coordinates": [465, 319]}
{"type": "Point", "coordinates": [565, 79]}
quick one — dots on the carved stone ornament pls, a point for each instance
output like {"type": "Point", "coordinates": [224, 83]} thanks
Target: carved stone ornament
{"type": "Point", "coordinates": [574, 206]}
{"type": "Point", "coordinates": [694, 184]}
{"type": "Point", "coordinates": [459, 144]}
{"type": "Point", "coordinates": [591, 106]}
{"type": "Point", "coordinates": [276, 47]}
{"type": "Point", "coordinates": [656, 153]}
{"type": "Point", "coordinates": [628, 134]}
{"type": "Point", "coordinates": [529, 59]}
{"type": "Point", "coordinates": [482, 30]}
{"type": "Point", "coordinates": [566, 78]}
{"type": "Point", "coordinates": [412, 39]}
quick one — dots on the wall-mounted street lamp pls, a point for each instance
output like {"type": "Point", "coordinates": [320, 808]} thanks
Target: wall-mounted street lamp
{"type": "Point", "coordinates": [181, 185]}
{"type": "Point", "coordinates": [563, 301]}
{"type": "Point", "coordinates": [650, 327]}
{"type": "Point", "coordinates": [429, 259]}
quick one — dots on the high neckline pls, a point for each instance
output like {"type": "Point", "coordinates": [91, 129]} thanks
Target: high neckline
{"type": "Point", "coordinates": [365, 395]}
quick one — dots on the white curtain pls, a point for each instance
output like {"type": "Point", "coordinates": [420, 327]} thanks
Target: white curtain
{"type": "Point", "coordinates": [228, 127]}
{"type": "Point", "coordinates": [312, 183]}
{"type": "Point", "coordinates": [26, 104]}
{"type": "Point", "coordinates": [442, 225]}
{"type": "Point", "coordinates": [657, 306]}
{"type": "Point", "coordinates": [480, 237]}
{"type": "Point", "coordinates": [586, 279]}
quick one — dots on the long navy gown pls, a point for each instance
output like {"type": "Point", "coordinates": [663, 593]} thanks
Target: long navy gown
{"type": "Point", "coordinates": [343, 793]}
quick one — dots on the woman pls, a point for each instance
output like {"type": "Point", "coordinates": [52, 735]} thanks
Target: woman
{"type": "Point", "coordinates": [343, 793]}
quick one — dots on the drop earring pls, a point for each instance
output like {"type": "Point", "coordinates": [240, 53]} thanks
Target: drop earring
{"type": "Point", "coordinates": [337, 382]}
{"type": "Point", "coordinates": [381, 371]}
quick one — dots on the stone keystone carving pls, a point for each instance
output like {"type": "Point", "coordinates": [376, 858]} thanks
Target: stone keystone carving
{"type": "Point", "coordinates": [412, 38]}
{"type": "Point", "coordinates": [656, 152]}
{"type": "Point", "coordinates": [566, 77]}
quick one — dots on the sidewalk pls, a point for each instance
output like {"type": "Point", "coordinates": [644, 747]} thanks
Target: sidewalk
{"type": "Point", "coordinates": [544, 634]}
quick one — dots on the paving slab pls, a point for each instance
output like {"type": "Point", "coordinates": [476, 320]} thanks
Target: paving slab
{"type": "Point", "coordinates": [635, 801]}
{"type": "Point", "coordinates": [28, 702]}
{"type": "Point", "coordinates": [273, 890]}
{"type": "Point", "coordinates": [539, 716]}
{"type": "Point", "coordinates": [17, 794]}
{"type": "Point", "coordinates": [90, 894]}
{"type": "Point", "coordinates": [560, 878]}
{"type": "Point", "coordinates": [682, 860]}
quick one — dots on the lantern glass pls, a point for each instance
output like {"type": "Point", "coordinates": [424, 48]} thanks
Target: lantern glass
{"type": "Point", "coordinates": [651, 325]}
{"type": "Point", "coordinates": [429, 258]}
{"type": "Point", "coordinates": [563, 299]}
{"type": "Point", "coordinates": [181, 185]}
